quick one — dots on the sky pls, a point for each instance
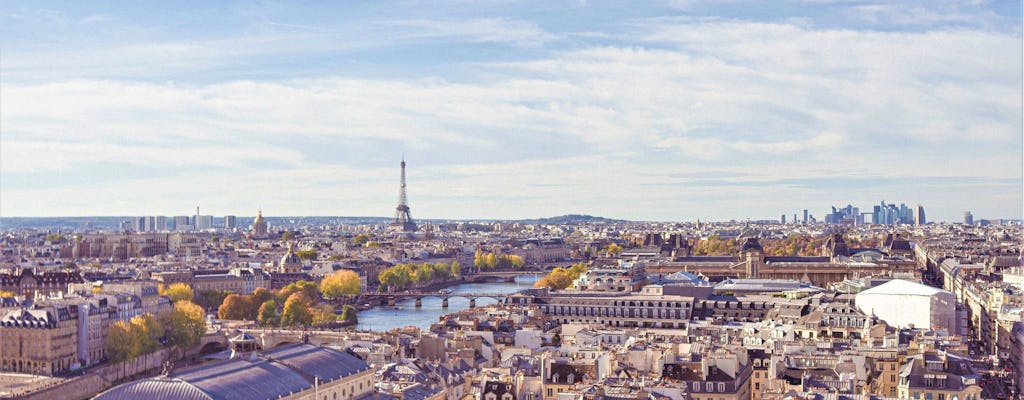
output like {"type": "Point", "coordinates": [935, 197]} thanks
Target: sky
{"type": "Point", "coordinates": [670, 111]}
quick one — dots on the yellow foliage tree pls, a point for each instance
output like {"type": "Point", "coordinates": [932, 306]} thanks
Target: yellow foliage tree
{"type": "Point", "coordinates": [179, 292]}
{"type": "Point", "coordinates": [341, 283]}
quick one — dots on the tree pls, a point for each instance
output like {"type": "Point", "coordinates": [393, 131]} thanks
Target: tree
{"type": "Point", "coordinates": [456, 268]}
{"type": "Point", "coordinates": [209, 299]}
{"type": "Point", "coordinates": [348, 314]}
{"type": "Point", "coordinates": [184, 324]}
{"type": "Point", "coordinates": [614, 249]}
{"type": "Point", "coordinates": [323, 314]}
{"type": "Point", "coordinates": [268, 313]}
{"type": "Point", "coordinates": [179, 292]}
{"type": "Point", "coordinates": [236, 307]}
{"type": "Point", "coordinates": [261, 295]}
{"type": "Point", "coordinates": [341, 283]}
{"type": "Point", "coordinates": [308, 288]}
{"type": "Point", "coordinates": [558, 279]}
{"type": "Point", "coordinates": [479, 260]}
{"type": "Point", "coordinates": [287, 235]}
{"type": "Point", "coordinates": [561, 278]}
{"type": "Point", "coordinates": [121, 343]}
{"type": "Point", "coordinates": [296, 311]}
{"type": "Point", "coordinates": [4, 293]}
{"type": "Point", "coordinates": [307, 254]}
{"type": "Point", "coordinates": [492, 261]}
{"type": "Point", "coordinates": [147, 331]}
{"type": "Point", "coordinates": [361, 239]}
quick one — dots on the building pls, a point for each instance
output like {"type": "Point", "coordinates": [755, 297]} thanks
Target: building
{"type": "Point", "coordinates": [921, 306]}
{"type": "Point", "coordinates": [229, 222]}
{"type": "Point", "coordinates": [296, 371]}
{"type": "Point", "coordinates": [938, 375]}
{"type": "Point", "coordinates": [138, 224]}
{"type": "Point", "coordinates": [181, 223]}
{"type": "Point", "coordinates": [968, 218]}
{"type": "Point", "coordinates": [203, 222]}
{"type": "Point", "coordinates": [919, 215]}
{"type": "Point", "coordinates": [41, 341]}
{"type": "Point", "coordinates": [28, 283]}
{"type": "Point", "coordinates": [259, 225]}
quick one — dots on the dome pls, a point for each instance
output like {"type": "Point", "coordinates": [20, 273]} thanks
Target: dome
{"type": "Point", "coordinates": [259, 217]}
{"type": "Point", "coordinates": [751, 245]}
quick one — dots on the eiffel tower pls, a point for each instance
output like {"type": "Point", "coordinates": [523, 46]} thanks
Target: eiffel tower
{"type": "Point", "coordinates": [403, 221]}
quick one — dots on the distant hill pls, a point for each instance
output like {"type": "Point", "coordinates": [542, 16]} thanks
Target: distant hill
{"type": "Point", "coordinates": [571, 219]}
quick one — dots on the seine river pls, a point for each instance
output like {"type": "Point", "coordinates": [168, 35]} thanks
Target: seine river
{"type": "Point", "coordinates": [381, 319]}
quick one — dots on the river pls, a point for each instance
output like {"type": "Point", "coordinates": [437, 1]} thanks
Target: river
{"type": "Point", "coordinates": [382, 319]}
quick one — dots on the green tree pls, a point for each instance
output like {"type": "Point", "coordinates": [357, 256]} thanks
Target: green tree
{"type": "Point", "coordinates": [296, 311]}
{"type": "Point", "coordinates": [179, 292]}
{"type": "Point", "coordinates": [342, 282]}
{"type": "Point", "coordinates": [268, 315]}
{"type": "Point", "coordinates": [348, 314]}
{"type": "Point", "coordinates": [456, 268]}
{"type": "Point", "coordinates": [361, 239]}
{"type": "Point", "coordinates": [209, 299]}
{"type": "Point", "coordinates": [287, 235]}
{"type": "Point", "coordinates": [308, 254]}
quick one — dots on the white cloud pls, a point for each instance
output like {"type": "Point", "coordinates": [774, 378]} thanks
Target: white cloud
{"type": "Point", "coordinates": [597, 129]}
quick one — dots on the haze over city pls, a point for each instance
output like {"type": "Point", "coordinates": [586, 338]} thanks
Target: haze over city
{"type": "Point", "coordinates": [656, 111]}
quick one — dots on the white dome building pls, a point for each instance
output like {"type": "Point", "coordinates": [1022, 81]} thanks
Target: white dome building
{"type": "Point", "coordinates": [906, 304]}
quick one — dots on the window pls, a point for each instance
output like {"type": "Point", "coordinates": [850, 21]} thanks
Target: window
{"type": "Point", "coordinates": [721, 386]}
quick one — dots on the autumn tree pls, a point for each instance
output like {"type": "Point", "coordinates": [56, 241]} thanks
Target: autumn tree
{"type": "Point", "coordinates": [308, 288]}
{"type": "Point", "coordinates": [455, 268]}
{"type": "Point", "coordinates": [4, 293]}
{"type": "Point", "coordinates": [184, 324]}
{"type": "Point", "coordinates": [341, 283]}
{"type": "Point", "coordinates": [323, 314]}
{"type": "Point", "coordinates": [361, 239]}
{"type": "Point", "coordinates": [179, 292]}
{"type": "Point", "coordinates": [237, 307]}
{"type": "Point", "coordinates": [121, 342]}
{"type": "Point", "coordinates": [614, 249]}
{"type": "Point", "coordinates": [296, 311]}
{"type": "Point", "coordinates": [268, 315]}
{"type": "Point", "coordinates": [146, 330]}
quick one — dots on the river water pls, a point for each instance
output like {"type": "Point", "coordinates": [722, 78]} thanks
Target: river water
{"type": "Point", "coordinates": [381, 318]}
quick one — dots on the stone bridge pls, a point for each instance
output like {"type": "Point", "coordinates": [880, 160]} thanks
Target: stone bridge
{"type": "Point", "coordinates": [270, 338]}
{"type": "Point", "coordinates": [391, 298]}
{"type": "Point", "coordinates": [213, 341]}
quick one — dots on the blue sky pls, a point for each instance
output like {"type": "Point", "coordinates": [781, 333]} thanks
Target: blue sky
{"type": "Point", "coordinates": [675, 110]}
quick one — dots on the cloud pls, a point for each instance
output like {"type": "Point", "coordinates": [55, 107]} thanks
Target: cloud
{"type": "Point", "coordinates": [600, 127]}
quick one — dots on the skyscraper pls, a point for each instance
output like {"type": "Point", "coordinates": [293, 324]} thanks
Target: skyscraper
{"type": "Point", "coordinates": [138, 224]}
{"type": "Point", "coordinates": [805, 217]}
{"type": "Point", "coordinates": [229, 222]}
{"type": "Point", "coordinates": [782, 219]}
{"type": "Point", "coordinates": [919, 215]}
{"type": "Point", "coordinates": [968, 218]}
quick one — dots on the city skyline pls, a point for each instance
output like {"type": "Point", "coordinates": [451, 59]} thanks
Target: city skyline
{"type": "Point", "coordinates": [654, 111]}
